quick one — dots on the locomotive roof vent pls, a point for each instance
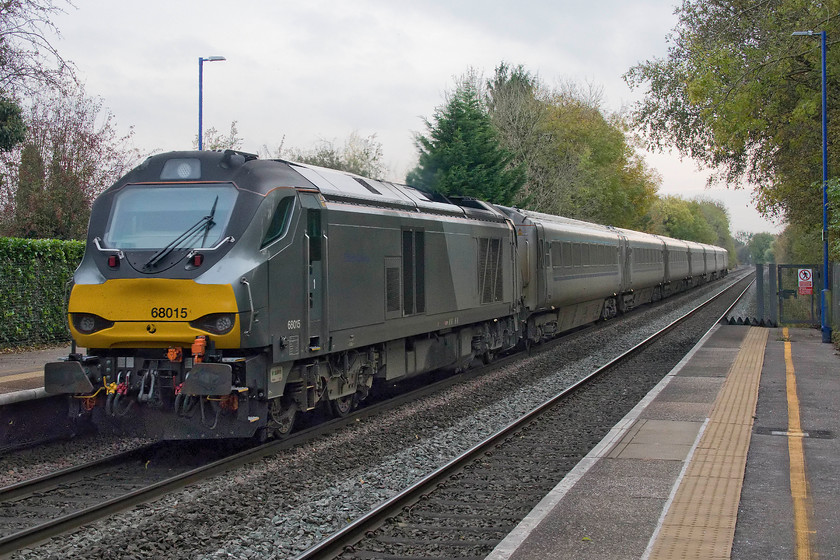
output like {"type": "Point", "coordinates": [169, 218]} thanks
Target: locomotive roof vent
{"type": "Point", "coordinates": [181, 169]}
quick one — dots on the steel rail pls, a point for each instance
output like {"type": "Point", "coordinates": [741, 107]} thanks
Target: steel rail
{"type": "Point", "coordinates": [68, 474]}
{"type": "Point", "coordinates": [356, 530]}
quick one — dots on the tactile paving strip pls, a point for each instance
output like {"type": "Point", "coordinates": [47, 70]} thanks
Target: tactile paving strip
{"type": "Point", "coordinates": [701, 520]}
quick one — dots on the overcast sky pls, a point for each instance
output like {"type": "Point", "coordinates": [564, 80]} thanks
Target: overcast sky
{"type": "Point", "coordinates": [315, 69]}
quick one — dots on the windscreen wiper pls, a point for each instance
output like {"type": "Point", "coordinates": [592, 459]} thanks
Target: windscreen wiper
{"type": "Point", "coordinates": [210, 223]}
{"type": "Point", "coordinates": [206, 223]}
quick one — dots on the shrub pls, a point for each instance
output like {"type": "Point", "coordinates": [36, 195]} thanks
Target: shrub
{"type": "Point", "coordinates": [34, 282]}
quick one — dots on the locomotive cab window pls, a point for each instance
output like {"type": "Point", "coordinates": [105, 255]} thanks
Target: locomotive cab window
{"type": "Point", "coordinates": [279, 221]}
{"type": "Point", "coordinates": [153, 216]}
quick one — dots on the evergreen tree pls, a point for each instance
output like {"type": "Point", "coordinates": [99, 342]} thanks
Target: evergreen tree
{"type": "Point", "coordinates": [29, 211]}
{"type": "Point", "coordinates": [12, 128]}
{"type": "Point", "coordinates": [462, 154]}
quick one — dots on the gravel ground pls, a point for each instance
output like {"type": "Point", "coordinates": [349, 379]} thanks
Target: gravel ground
{"type": "Point", "coordinates": [50, 457]}
{"type": "Point", "coordinates": [281, 505]}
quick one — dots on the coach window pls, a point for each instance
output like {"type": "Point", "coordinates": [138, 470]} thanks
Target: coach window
{"type": "Point", "coordinates": [279, 221]}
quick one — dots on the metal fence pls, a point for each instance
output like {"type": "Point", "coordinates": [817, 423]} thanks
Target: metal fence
{"type": "Point", "coordinates": [776, 297]}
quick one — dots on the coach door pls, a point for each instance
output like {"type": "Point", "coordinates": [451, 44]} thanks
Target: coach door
{"type": "Point", "coordinates": [543, 272]}
{"type": "Point", "coordinates": [316, 256]}
{"type": "Point", "coordinates": [626, 253]}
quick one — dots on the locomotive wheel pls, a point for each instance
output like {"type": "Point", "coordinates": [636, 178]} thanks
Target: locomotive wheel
{"type": "Point", "coordinates": [342, 406]}
{"type": "Point", "coordinates": [281, 417]}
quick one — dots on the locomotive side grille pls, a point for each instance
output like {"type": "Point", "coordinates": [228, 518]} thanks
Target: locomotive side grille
{"type": "Point", "coordinates": [392, 289]}
{"type": "Point", "coordinates": [496, 245]}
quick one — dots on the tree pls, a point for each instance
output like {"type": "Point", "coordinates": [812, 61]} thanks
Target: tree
{"type": "Point", "coordinates": [362, 156]}
{"type": "Point", "coordinates": [740, 95]}
{"type": "Point", "coordinates": [30, 211]}
{"type": "Point", "coordinates": [717, 216]}
{"type": "Point", "coordinates": [70, 154]}
{"type": "Point", "coordinates": [681, 219]}
{"type": "Point", "coordinates": [517, 112]}
{"type": "Point", "coordinates": [760, 246]}
{"type": "Point", "coordinates": [742, 252]}
{"type": "Point", "coordinates": [29, 63]}
{"type": "Point", "coordinates": [12, 129]}
{"type": "Point", "coordinates": [213, 139]}
{"type": "Point", "coordinates": [580, 162]}
{"type": "Point", "coordinates": [462, 154]}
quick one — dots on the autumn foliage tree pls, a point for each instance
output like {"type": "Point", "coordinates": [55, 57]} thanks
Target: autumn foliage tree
{"type": "Point", "coordinates": [29, 62]}
{"type": "Point", "coordinates": [741, 95]}
{"type": "Point", "coordinates": [58, 147]}
{"type": "Point", "coordinates": [702, 220]}
{"type": "Point", "coordinates": [580, 161]}
{"type": "Point", "coordinates": [71, 152]}
{"type": "Point", "coordinates": [358, 154]}
{"type": "Point", "coordinates": [214, 140]}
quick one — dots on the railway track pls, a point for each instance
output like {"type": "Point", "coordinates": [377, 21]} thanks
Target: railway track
{"type": "Point", "coordinates": [37, 509]}
{"type": "Point", "coordinates": [466, 507]}
{"type": "Point", "coordinates": [95, 498]}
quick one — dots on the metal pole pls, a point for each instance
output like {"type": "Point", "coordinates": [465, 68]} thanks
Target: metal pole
{"type": "Point", "coordinates": [759, 285]}
{"type": "Point", "coordinates": [200, 80]}
{"type": "Point", "coordinates": [826, 327]}
{"type": "Point", "coordinates": [773, 276]}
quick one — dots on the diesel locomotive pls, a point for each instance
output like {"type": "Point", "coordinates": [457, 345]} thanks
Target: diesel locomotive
{"type": "Point", "coordinates": [220, 295]}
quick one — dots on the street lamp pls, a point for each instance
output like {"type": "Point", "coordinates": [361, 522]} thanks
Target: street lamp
{"type": "Point", "coordinates": [826, 327]}
{"type": "Point", "coordinates": [201, 62]}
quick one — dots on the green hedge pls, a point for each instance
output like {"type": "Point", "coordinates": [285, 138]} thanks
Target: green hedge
{"type": "Point", "coordinates": [33, 279]}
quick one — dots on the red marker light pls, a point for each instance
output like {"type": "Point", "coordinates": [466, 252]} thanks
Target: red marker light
{"type": "Point", "coordinates": [197, 259]}
{"type": "Point", "coordinates": [113, 261]}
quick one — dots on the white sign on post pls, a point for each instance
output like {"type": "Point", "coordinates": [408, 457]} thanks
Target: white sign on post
{"type": "Point", "coordinates": [806, 282]}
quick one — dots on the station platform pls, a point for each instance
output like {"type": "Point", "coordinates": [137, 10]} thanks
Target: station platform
{"type": "Point", "coordinates": [22, 373]}
{"type": "Point", "coordinates": [733, 455]}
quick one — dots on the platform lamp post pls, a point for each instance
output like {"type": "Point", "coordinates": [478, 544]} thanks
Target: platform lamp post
{"type": "Point", "coordinates": [826, 327]}
{"type": "Point", "coordinates": [201, 61]}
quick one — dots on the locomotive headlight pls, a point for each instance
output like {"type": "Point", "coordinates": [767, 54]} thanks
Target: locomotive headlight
{"type": "Point", "coordinates": [216, 323]}
{"type": "Point", "coordinates": [87, 323]}
{"type": "Point", "coordinates": [181, 169]}
{"type": "Point", "coordinates": [224, 323]}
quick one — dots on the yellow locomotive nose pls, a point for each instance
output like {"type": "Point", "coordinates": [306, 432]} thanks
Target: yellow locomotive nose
{"type": "Point", "coordinates": [153, 313]}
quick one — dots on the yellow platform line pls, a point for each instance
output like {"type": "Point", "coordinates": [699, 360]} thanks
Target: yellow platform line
{"type": "Point", "coordinates": [798, 478]}
{"type": "Point", "coordinates": [700, 523]}
{"type": "Point", "coordinates": [21, 376]}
